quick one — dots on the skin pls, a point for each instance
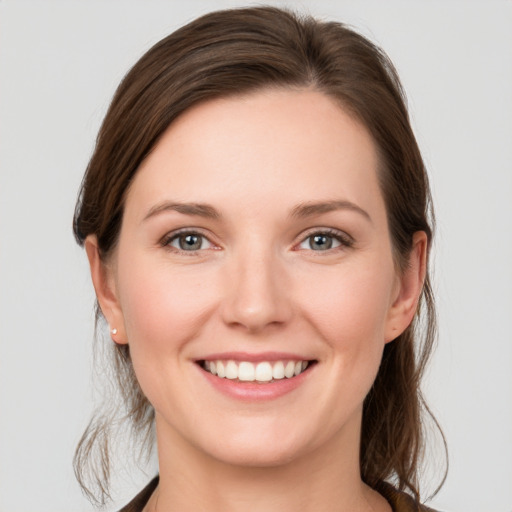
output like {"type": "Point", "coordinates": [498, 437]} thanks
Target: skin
{"type": "Point", "coordinates": [257, 284]}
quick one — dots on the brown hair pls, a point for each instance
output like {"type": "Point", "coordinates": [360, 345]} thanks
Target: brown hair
{"type": "Point", "coordinates": [238, 51]}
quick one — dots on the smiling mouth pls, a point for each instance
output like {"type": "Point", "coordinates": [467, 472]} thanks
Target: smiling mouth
{"type": "Point", "coordinates": [262, 372]}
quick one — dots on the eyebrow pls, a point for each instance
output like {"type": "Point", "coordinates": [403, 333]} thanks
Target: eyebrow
{"type": "Point", "coordinates": [301, 211]}
{"type": "Point", "coordinates": [197, 209]}
{"type": "Point", "coordinates": [307, 209]}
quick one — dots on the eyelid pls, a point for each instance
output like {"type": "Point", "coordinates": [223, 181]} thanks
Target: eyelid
{"type": "Point", "coordinates": [166, 240]}
{"type": "Point", "coordinates": [344, 238]}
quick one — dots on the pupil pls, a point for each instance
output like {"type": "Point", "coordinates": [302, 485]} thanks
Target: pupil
{"type": "Point", "coordinates": [322, 242]}
{"type": "Point", "coordinates": [190, 242]}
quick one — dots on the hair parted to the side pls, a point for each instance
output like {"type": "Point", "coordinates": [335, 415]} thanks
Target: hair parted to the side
{"type": "Point", "coordinates": [233, 52]}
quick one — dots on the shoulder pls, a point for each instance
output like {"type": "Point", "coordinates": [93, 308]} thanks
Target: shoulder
{"type": "Point", "coordinates": [401, 501]}
{"type": "Point", "coordinates": [139, 502]}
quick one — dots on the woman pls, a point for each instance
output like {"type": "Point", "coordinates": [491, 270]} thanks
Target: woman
{"type": "Point", "coordinates": [257, 220]}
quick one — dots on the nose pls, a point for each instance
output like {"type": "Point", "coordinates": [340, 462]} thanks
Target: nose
{"type": "Point", "coordinates": [258, 292]}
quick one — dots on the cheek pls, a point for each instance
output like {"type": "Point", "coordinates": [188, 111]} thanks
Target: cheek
{"type": "Point", "coordinates": [351, 304]}
{"type": "Point", "coordinates": [163, 306]}
{"type": "Point", "coordinates": [164, 309]}
{"type": "Point", "coordinates": [350, 316]}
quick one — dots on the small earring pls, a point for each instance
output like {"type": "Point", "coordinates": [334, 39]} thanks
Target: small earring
{"type": "Point", "coordinates": [114, 331]}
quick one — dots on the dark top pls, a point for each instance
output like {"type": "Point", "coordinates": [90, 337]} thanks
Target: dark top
{"type": "Point", "coordinates": [399, 501]}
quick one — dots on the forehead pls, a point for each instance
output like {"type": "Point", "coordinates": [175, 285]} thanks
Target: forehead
{"type": "Point", "coordinates": [293, 146]}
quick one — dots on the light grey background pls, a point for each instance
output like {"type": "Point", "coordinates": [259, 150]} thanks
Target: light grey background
{"type": "Point", "coordinates": [59, 65]}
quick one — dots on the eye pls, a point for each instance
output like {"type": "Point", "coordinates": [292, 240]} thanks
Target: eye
{"type": "Point", "coordinates": [188, 242]}
{"type": "Point", "coordinates": [324, 241]}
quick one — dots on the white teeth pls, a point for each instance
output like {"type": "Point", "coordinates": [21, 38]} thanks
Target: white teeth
{"type": "Point", "coordinates": [289, 369]}
{"type": "Point", "coordinates": [246, 371]}
{"type": "Point", "coordinates": [264, 371]}
{"type": "Point", "coordinates": [278, 370]}
{"type": "Point", "coordinates": [220, 369]}
{"type": "Point", "coordinates": [231, 370]}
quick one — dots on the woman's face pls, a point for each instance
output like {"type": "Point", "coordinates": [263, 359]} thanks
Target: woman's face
{"type": "Point", "coordinates": [255, 245]}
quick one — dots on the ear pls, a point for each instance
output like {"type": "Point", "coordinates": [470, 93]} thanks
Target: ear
{"type": "Point", "coordinates": [408, 289]}
{"type": "Point", "coordinates": [104, 285]}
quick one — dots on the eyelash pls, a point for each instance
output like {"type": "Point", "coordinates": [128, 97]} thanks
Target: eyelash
{"type": "Point", "coordinates": [345, 241]}
{"type": "Point", "coordinates": [167, 240]}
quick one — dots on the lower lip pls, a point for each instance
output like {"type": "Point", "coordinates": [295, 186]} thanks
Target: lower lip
{"type": "Point", "coordinates": [256, 391]}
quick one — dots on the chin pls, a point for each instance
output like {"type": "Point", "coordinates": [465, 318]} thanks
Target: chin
{"type": "Point", "coordinates": [257, 456]}
{"type": "Point", "coordinates": [259, 447]}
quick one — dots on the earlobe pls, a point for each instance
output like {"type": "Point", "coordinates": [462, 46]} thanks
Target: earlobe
{"type": "Point", "coordinates": [106, 293]}
{"type": "Point", "coordinates": [410, 286]}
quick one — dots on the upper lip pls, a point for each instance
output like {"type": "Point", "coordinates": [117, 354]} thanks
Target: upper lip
{"type": "Point", "coordinates": [254, 357]}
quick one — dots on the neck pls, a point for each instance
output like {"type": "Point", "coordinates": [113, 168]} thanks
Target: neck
{"type": "Point", "coordinates": [324, 480]}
